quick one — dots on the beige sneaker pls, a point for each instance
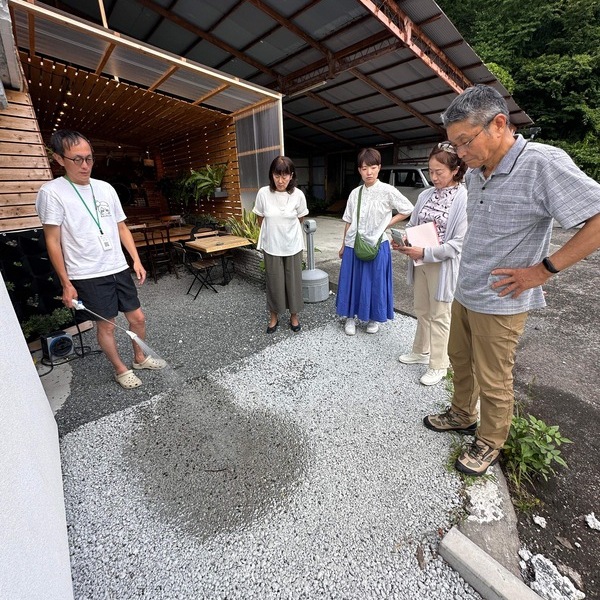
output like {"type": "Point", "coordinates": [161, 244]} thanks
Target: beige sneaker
{"type": "Point", "coordinates": [449, 421]}
{"type": "Point", "coordinates": [433, 376]}
{"type": "Point", "coordinates": [412, 358]}
{"type": "Point", "coordinates": [476, 459]}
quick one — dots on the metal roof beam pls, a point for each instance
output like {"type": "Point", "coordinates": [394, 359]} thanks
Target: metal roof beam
{"type": "Point", "coordinates": [292, 27]}
{"type": "Point", "coordinates": [364, 51]}
{"type": "Point", "coordinates": [350, 116]}
{"type": "Point", "coordinates": [266, 33]}
{"type": "Point", "coordinates": [317, 128]}
{"type": "Point", "coordinates": [398, 22]}
{"type": "Point", "coordinates": [396, 100]}
{"type": "Point", "coordinates": [209, 37]}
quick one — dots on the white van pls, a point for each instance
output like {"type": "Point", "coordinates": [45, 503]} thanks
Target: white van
{"type": "Point", "coordinates": [409, 180]}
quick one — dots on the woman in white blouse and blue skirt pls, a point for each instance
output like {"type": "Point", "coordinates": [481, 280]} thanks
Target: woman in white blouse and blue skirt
{"type": "Point", "coordinates": [365, 289]}
{"type": "Point", "coordinates": [281, 208]}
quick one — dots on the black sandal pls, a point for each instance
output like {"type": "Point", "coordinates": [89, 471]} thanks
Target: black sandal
{"type": "Point", "coordinates": [295, 328]}
{"type": "Point", "coordinates": [274, 328]}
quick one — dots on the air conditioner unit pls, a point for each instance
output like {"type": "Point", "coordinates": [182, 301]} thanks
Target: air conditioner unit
{"type": "Point", "coordinates": [57, 345]}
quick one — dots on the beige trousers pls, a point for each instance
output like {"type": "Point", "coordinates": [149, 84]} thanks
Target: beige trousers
{"type": "Point", "coordinates": [433, 317]}
{"type": "Point", "coordinates": [482, 352]}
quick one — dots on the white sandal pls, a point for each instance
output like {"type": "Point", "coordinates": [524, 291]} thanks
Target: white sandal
{"type": "Point", "coordinates": [128, 380]}
{"type": "Point", "coordinates": [151, 363]}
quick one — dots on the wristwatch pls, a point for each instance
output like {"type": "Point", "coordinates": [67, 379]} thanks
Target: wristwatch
{"type": "Point", "coordinates": [549, 266]}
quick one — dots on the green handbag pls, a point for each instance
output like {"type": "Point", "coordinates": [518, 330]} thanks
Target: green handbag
{"type": "Point", "coordinates": [363, 250]}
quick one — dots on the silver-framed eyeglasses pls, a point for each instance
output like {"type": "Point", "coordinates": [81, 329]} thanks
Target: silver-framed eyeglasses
{"type": "Point", "coordinates": [78, 160]}
{"type": "Point", "coordinates": [466, 144]}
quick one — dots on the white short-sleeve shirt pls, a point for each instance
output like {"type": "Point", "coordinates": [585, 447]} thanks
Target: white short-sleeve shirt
{"type": "Point", "coordinates": [57, 203]}
{"type": "Point", "coordinates": [376, 205]}
{"type": "Point", "coordinates": [281, 232]}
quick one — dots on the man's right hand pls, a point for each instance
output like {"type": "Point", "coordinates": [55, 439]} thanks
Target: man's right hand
{"type": "Point", "coordinates": [69, 294]}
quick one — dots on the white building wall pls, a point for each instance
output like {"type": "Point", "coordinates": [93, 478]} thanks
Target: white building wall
{"type": "Point", "coordinates": [34, 551]}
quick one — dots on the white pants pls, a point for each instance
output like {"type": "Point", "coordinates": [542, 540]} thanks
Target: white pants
{"type": "Point", "coordinates": [433, 317]}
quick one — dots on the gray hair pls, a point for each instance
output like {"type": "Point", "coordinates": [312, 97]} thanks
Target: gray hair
{"type": "Point", "coordinates": [478, 105]}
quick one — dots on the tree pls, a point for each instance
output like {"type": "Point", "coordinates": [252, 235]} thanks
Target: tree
{"type": "Point", "coordinates": [550, 49]}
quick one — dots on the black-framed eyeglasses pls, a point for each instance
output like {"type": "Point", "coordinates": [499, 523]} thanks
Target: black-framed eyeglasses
{"type": "Point", "coordinates": [78, 160]}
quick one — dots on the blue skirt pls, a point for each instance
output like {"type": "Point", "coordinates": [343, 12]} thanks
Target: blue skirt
{"type": "Point", "coordinates": [365, 289]}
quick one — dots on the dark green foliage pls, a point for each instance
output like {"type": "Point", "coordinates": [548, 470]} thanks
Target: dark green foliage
{"type": "Point", "coordinates": [547, 54]}
{"type": "Point", "coordinates": [38, 325]}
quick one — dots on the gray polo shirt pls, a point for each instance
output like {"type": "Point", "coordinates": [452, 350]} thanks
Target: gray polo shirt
{"type": "Point", "coordinates": [510, 221]}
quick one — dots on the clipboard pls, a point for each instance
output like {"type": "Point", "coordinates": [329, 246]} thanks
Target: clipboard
{"type": "Point", "coordinates": [422, 236]}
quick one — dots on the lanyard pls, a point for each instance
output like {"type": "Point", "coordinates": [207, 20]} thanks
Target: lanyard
{"type": "Point", "coordinates": [95, 218]}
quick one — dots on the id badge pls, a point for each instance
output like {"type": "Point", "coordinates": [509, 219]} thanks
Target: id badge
{"type": "Point", "coordinates": [105, 242]}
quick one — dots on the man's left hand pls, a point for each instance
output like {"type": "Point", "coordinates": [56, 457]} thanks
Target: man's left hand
{"type": "Point", "coordinates": [516, 281]}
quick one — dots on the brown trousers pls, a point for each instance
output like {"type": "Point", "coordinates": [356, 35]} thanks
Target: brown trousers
{"type": "Point", "coordinates": [482, 352]}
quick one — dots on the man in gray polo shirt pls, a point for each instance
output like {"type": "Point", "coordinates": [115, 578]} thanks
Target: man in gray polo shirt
{"type": "Point", "coordinates": [516, 188]}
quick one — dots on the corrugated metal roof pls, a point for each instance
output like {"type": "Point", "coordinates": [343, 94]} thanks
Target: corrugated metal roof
{"type": "Point", "coordinates": [350, 78]}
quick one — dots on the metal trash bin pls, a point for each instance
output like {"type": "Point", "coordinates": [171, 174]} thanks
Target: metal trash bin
{"type": "Point", "coordinates": [315, 282]}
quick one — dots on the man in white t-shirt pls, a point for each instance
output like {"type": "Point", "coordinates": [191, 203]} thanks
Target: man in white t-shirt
{"type": "Point", "coordinates": [84, 227]}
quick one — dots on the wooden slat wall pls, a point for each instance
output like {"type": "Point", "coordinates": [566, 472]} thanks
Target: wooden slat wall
{"type": "Point", "coordinates": [213, 144]}
{"type": "Point", "coordinates": [24, 165]}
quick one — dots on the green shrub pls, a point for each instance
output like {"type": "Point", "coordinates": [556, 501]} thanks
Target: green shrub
{"type": "Point", "coordinates": [531, 450]}
{"type": "Point", "coordinates": [38, 325]}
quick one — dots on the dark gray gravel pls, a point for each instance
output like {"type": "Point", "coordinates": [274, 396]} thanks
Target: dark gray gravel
{"type": "Point", "coordinates": [284, 466]}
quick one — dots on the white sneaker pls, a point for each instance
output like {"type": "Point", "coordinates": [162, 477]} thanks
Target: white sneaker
{"type": "Point", "coordinates": [412, 358]}
{"type": "Point", "coordinates": [372, 327]}
{"type": "Point", "coordinates": [350, 327]}
{"type": "Point", "coordinates": [433, 376]}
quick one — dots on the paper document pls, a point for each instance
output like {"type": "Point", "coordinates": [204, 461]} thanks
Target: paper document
{"type": "Point", "coordinates": [422, 236]}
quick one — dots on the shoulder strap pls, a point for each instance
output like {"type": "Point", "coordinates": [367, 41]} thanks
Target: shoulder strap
{"type": "Point", "coordinates": [360, 189]}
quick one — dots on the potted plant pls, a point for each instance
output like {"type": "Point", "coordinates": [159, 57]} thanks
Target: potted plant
{"type": "Point", "coordinates": [248, 261]}
{"type": "Point", "coordinates": [246, 227]}
{"type": "Point", "coordinates": [205, 181]}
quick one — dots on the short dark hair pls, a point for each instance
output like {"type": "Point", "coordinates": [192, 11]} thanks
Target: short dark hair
{"type": "Point", "coordinates": [450, 159]}
{"type": "Point", "coordinates": [282, 165]}
{"type": "Point", "coordinates": [63, 139]}
{"type": "Point", "coordinates": [369, 157]}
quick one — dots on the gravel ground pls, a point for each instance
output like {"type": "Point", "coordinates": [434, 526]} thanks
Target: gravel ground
{"type": "Point", "coordinates": [255, 466]}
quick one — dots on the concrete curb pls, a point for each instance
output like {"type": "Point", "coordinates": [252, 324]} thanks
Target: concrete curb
{"type": "Point", "coordinates": [480, 570]}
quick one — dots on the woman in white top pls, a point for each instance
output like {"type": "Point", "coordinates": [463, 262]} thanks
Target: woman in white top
{"type": "Point", "coordinates": [281, 208]}
{"type": "Point", "coordinates": [434, 280]}
{"type": "Point", "coordinates": [365, 288]}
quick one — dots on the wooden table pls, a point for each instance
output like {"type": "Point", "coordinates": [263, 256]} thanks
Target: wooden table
{"type": "Point", "coordinates": [218, 245]}
{"type": "Point", "coordinates": [174, 234]}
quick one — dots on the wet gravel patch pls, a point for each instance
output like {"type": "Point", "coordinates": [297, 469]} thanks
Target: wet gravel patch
{"type": "Point", "coordinates": [289, 466]}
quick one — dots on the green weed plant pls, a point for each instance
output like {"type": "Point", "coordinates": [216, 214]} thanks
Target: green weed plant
{"type": "Point", "coordinates": [532, 450]}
